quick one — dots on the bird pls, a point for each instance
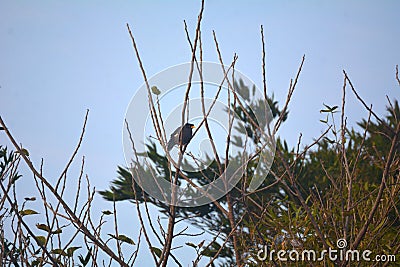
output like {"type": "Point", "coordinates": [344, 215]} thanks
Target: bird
{"type": "Point", "coordinates": [181, 136]}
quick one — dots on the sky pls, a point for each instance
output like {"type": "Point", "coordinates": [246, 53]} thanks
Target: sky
{"type": "Point", "coordinates": [59, 58]}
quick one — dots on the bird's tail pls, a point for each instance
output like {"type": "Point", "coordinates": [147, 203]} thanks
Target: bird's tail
{"type": "Point", "coordinates": [170, 145]}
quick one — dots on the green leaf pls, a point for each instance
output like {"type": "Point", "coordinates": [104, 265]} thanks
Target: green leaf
{"type": "Point", "coordinates": [41, 240]}
{"type": "Point", "coordinates": [46, 228]}
{"type": "Point", "coordinates": [366, 186]}
{"type": "Point", "coordinates": [155, 90]}
{"type": "Point", "coordinates": [58, 231]}
{"type": "Point", "coordinates": [201, 244]}
{"type": "Point", "coordinates": [211, 250]}
{"type": "Point", "coordinates": [237, 141]}
{"type": "Point", "coordinates": [85, 260]}
{"type": "Point", "coordinates": [23, 151]}
{"type": "Point", "coordinates": [328, 109]}
{"type": "Point", "coordinates": [191, 245]}
{"type": "Point", "coordinates": [380, 225]}
{"type": "Point", "coordinates": [43, 227]}
{"type": "Point", "coordinates": [123, 238]}
{"type": "Point", "coordinates": [36, 262]}
{"type": "Point", "coordinates": [59, 251]}
{"type": "Point", "coordinates": [71, 250]}
{"type": "Point", "coordinates": [106, 212]}
{"type": "Point", "coordinates": [330, 141]}
{"type": "Point", "coordinates": [126, 239]}
{"type": "Point", "coordinates": [208, 252]}
{"type": "Point", "coordinates": [28, 212]}
{"type": "Point", "coordinates": [156, 251]}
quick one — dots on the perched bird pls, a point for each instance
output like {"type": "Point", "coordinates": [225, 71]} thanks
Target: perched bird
{"type": "Point", "coordinates": [182, 135]}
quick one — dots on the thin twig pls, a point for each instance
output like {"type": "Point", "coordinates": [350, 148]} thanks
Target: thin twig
{"type": "Point", "coordinates": [292, 87]}
{"type": "Point", "coordinates": [263, 64]}
{"type": "Point", "coordinates": [366, 106]}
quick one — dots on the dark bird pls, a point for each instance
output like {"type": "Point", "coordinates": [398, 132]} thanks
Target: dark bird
{"type": "Point", "coordinates": [181, 136]}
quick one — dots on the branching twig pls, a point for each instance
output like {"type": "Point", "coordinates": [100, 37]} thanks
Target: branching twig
{"type": "Point", "coordinates": [74, 219]}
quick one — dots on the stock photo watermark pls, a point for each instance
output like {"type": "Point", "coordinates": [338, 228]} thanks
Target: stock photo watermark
{"type": "Point", "coordinates": [340, 253]}
{"type": "Point", "coordinates": [213, 96]}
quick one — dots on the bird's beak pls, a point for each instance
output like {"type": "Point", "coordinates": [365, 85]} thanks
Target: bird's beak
{"type": "Point", "coordinates": [192, 126]}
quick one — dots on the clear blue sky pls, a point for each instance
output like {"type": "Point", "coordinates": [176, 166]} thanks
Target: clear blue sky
{"type": "Point", "coordinates": [58, 58]}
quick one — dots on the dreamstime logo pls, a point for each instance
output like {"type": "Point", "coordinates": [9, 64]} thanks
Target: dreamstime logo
{"type": "Point", "coordinates": [341, 254]}
{"type": "Point", "coordinates": [215, 94]}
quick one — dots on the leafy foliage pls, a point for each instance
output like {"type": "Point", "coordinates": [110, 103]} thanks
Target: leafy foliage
{"type": "Point", "coordinates": [338, 179]}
